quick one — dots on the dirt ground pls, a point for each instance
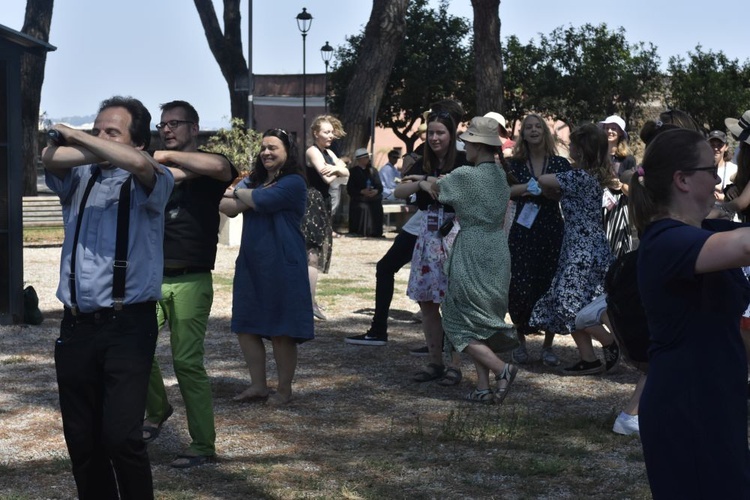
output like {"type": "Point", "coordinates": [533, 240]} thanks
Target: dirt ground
{"type": "Point", "coordinates": [358, 427]}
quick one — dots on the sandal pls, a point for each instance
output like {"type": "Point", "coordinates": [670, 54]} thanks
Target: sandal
{"type": "Point", "coordinates": [451, 377]}
{"type": "Point", "coordinates": [481, 396]}
{"type": "Point", "coordinates": [186, 461]}
{"type": "Point", "coordinates": [431, 372]}
{"type": "Point", "coordinates": [151, 432]}
{"type": "Point", "coordinates": [508, 375]}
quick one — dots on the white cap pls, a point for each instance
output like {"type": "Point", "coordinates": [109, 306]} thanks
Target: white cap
{"type": "Point", "coordinates": [497, 117]}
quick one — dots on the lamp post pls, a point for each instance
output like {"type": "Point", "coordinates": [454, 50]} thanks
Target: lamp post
{"type": "Point", "coordinates": [304, 20]}
{"type": "Point", "coordinates": [326, 52]}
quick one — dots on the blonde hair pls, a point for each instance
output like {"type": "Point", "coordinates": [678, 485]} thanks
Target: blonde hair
{"type": "Point", "coordinates": [338, 127]}
{"type": "Point", "coordinates": [521, 149]}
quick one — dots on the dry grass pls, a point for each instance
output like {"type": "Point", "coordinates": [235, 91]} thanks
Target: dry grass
{"type": "Point", "coordinates": [358, 428]}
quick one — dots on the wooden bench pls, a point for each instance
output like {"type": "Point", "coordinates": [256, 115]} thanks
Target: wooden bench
{"type": "Point", "coordinates": [42, 211]}
{"type": "Point", "coordinates": [401, 212]}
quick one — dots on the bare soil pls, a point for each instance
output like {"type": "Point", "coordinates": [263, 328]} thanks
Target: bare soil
{"type": "Point", "coordinates": [358, 427]}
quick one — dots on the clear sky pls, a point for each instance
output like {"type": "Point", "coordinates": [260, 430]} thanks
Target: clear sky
{"type": "Point", "coordinates": [156, 50]}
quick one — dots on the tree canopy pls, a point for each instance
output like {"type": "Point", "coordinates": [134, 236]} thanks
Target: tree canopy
{"type": "Point", "coordinates": [709, 86]}
{"type": "Point", "coordinates": [580, 73]}
{"type": "Point", "coordinates": [434, 62]}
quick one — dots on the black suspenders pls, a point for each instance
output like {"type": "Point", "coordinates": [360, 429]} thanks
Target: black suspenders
{"type": "Point", "coordinates": [121, 243]}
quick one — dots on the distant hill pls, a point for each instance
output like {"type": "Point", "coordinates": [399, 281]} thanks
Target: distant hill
{"type": "Point", "coordinates": [75, 121]}
{"type": "Point", "coordinates": [86, 122]}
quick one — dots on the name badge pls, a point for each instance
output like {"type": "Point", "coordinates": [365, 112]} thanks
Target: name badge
{"type": "Point", "coordinates": [528, 215]}
{"type": "Point", "coordinates": [434, 218]}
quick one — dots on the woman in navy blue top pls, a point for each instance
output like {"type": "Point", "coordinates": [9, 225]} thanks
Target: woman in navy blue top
{"type": "Point", "coordinates": [693, 412]}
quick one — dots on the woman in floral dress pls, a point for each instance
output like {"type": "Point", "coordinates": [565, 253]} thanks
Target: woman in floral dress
{"type": "Point", "coordinates": [427, 280]}
{"type": "Point", "coordinates": [585, 255]}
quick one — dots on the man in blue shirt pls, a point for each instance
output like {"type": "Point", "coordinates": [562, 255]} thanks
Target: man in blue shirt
{"type": "Point", "coordinates": [388, 175]}
{"type": "Point", "coordinates": [109, 329]}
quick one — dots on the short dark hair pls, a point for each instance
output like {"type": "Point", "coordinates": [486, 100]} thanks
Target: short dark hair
{"type": "Point", "coordinates": [140, 118]}
{"type": "Point", "coordinates": [192, 114]}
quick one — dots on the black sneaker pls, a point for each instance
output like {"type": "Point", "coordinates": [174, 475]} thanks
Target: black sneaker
{"type": "Point", "coordinates": [584, 368]}
{"type": "Point", "coordinates": [419, 352]}
{"type": "Point", "coordinates": [367, 339]}
{"type": "Point", "coordinates": [611, 356]}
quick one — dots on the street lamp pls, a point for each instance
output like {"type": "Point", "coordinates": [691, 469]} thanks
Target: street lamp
{"type": "Point", "coordinates": [326, 52]}
{"type": "Point", "coordinates": [304, 20]}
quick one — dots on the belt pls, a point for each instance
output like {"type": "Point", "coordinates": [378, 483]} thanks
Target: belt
{"type": "Point", "coordinates": [107, 313]}
{"type": "Point", "coordinates": [171, 272]}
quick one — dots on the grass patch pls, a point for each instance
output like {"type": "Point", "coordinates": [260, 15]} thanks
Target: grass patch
{"type": "Point", "coordinates": [335, 287]}
{"type": "Point", "coordinates": [43, 235]}
{"type": "Point", "coordinates": [13, 360]}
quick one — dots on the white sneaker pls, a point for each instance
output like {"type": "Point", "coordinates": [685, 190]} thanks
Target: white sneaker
{"type": "Point", "coordinates": [626, 424]}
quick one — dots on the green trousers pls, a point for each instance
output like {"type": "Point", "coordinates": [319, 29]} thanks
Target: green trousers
{"type": "Point", "coordinates": [185, 306]}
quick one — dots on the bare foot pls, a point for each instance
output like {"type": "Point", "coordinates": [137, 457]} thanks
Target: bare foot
{"type": "Point", "coordinates": [279, 399]}
{"type": "Point", "coordinates": [252, 395]}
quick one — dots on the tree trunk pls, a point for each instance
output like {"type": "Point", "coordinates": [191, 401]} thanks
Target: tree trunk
{"type": "Point", "coordinates": [489, 61]}
{"type": "Point", "coordinates": [227, 50]}
{"type": "Point", "coordinates": [384, 34]}
{"type": "Point", "coordinates": [36, 23]}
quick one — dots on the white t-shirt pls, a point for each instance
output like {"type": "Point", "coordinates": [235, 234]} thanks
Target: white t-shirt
{"type": "Point", "coordinates": [726, 175]}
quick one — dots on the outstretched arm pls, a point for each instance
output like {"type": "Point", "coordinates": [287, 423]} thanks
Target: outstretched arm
{"type": "Point", "coordinates": [83, 147]}
{"type": "Point", "coordinates": [196, 162]}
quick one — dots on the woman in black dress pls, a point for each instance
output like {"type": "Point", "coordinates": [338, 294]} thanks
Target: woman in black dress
{"type": "Point", "coordinates": [536, 233]}
{"type": "Point", "coordinates": [323, 167]}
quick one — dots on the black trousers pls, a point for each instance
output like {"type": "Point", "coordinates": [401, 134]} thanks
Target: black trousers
{"type": "Point", "coordinates": [394, 259]}
{"type": "Point", "coordinates": [103, 362]}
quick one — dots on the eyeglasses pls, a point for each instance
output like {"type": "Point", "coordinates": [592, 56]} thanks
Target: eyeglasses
{"type": "Point", "coordinates": [713, 170]}
{"type": "Point", "coordinates": [172, 124]}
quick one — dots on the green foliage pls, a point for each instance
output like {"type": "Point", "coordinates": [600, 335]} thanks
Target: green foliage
{"type": "Point", "coordinates": [239, 144]}
{"type": "Point", "coordinates": [434, 62]}
{"type": "Point", "coordinates": [580, 74]}
{"type": "Point", "coordinates": [709, 86]}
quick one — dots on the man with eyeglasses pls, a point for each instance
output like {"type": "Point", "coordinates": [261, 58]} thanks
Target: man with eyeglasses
{"type": "Point", "coordinates": [191, 227]}
{"type": "Point", "coordinates": [726, 170]}
{"type": "Point", "coordinates": [113, 196]}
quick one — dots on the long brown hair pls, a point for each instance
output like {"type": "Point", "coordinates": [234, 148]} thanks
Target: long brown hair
{"type": "Point", "coordinates": [431, 160]}
{"type": "Point", "coordinates": [592, 152]}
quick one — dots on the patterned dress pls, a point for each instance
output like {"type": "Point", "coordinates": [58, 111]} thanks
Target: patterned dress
{"type": "Point", "coordinates": [534, 251]}
{"type": "Point", "coordinates": [317, 223]}
{"type": "Point", "coordinates": [615, 211]}
{"type": "Point", "coordinates": [427, 280]}
{"type": "Point", "coordinates": [584, 258]}
{"type": "Point", "coordinates": [478, 266]}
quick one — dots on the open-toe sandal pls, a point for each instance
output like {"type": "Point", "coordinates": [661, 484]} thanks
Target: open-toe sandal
{"type": "Point", "coordinates": [451, 377]}
{"type": "Point", "coordinates": [184, 461]}
{"type": "Point", "coordinates": [151, 432]}
{"type": "Point", "coordinates": [508, 375]}
{"type": "Point", "coordinates": [484, 396]}
{"type": "Point", "coordinates": [431, 372]}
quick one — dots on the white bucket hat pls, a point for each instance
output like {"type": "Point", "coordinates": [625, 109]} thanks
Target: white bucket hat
{"type": "Point", "coordinates": [617, 121]}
